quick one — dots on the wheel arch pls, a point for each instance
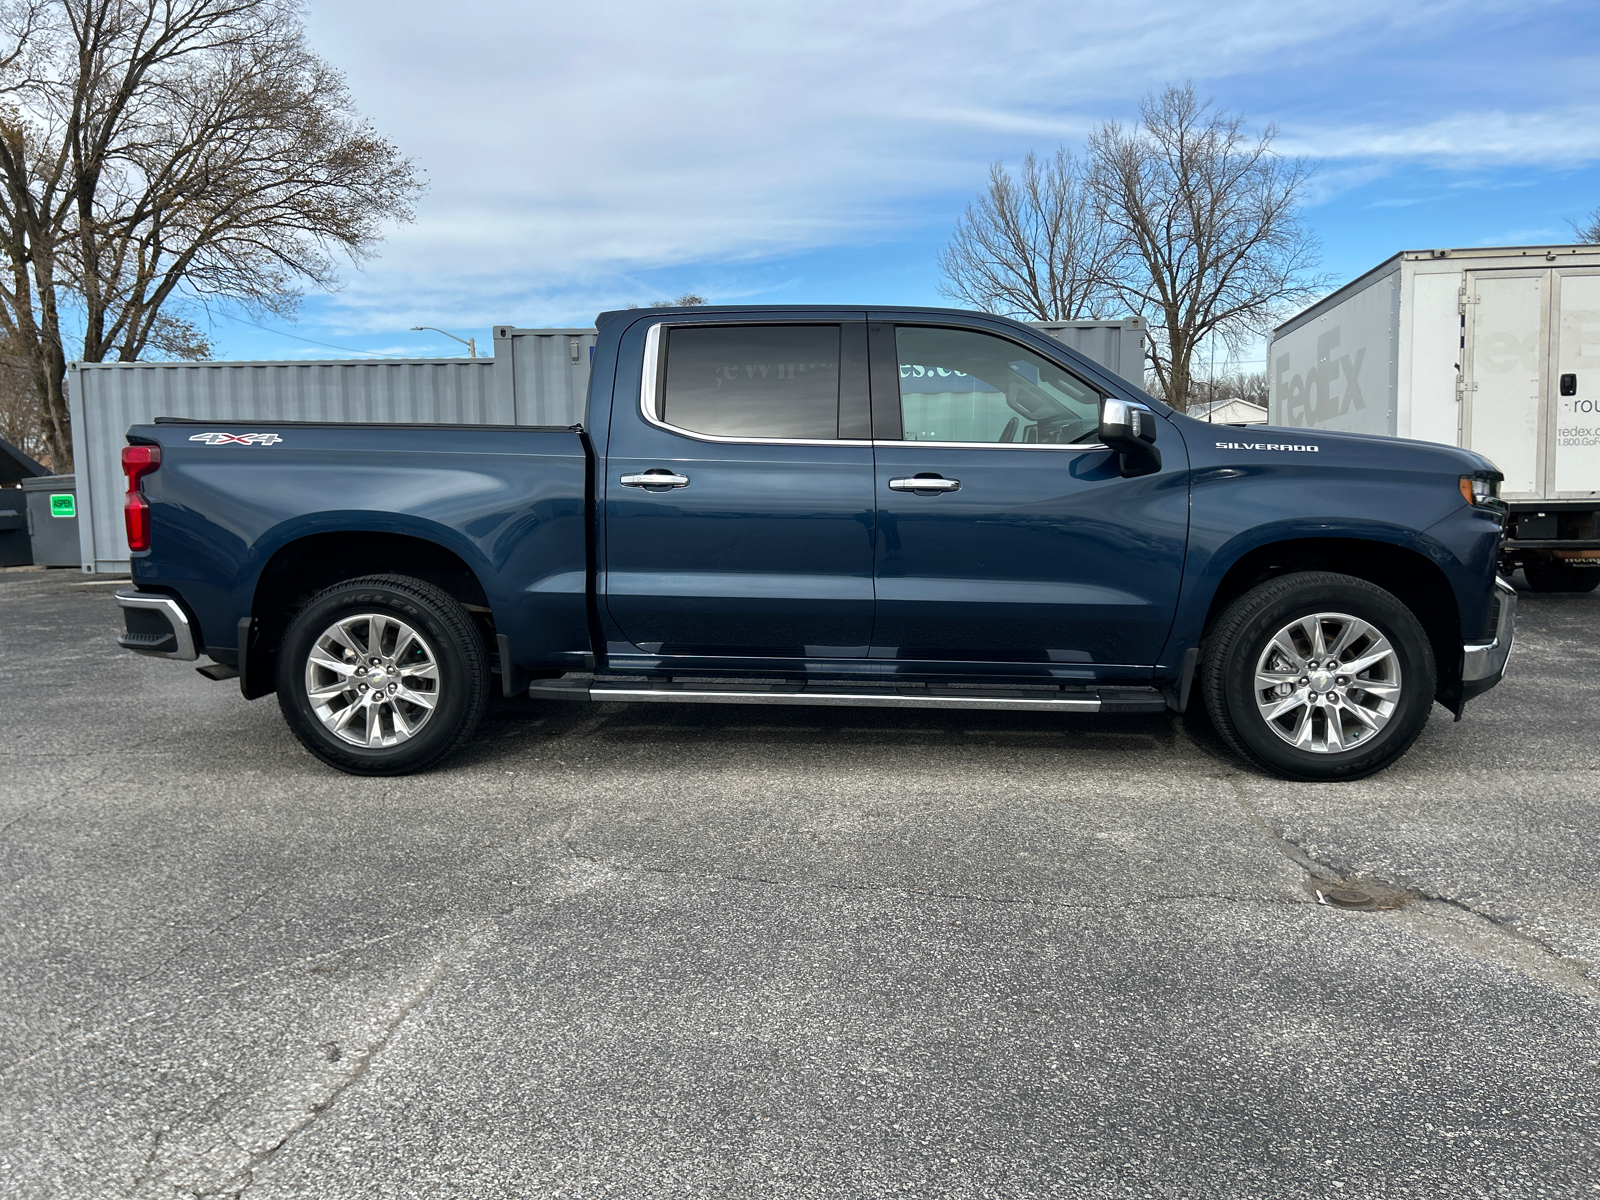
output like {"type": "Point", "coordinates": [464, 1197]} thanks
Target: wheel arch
{"type": "Point", "coordinates": [306, 565]}
{"type": "Point", "coordinates": [1411, 577]}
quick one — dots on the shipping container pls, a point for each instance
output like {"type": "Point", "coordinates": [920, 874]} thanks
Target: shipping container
{"type": "Point", "coordinates": [1118, 346]}
{"type": "Point", "coordinates": [536, 377]}
{"type": "Point", "coordinates": [1495, 350]}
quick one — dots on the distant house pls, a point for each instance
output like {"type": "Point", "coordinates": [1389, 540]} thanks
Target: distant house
{"type": "Point", "coordinates": [1233, 411]}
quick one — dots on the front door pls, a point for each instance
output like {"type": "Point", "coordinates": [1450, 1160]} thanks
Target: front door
{"type": "Point", "coordinates": [757, 541]}
{"type": "Point", "coordinates": [1006, 533]}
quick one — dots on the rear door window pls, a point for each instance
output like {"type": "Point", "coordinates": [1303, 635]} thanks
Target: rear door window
{"type": "Point", "coordinates": [752, 381]}
{"type": "Point", "coordinates": [957, 385]}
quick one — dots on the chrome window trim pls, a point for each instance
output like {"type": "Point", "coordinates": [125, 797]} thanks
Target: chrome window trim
{"type": "Point", "coordinates": [650, 379]}
{"type": "Point", "coordinates": [1071, 447]}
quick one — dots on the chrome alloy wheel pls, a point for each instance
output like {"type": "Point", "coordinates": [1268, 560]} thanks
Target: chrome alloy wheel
{"type": "Point", "coordinates": [372, 680]}
{"type": "Point", "coordinates": [1327, 682]}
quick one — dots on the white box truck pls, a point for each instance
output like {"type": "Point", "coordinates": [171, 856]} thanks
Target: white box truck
{"type": "Point", "coordinates": [1496, 350]}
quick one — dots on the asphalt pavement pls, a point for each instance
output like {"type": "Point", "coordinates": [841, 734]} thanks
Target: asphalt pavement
{"type": "Point", "coordinates": [711, 951]}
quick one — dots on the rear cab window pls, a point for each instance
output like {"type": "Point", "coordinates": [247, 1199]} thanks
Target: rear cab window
{"type": "Point", "coordinates": [751, 382]}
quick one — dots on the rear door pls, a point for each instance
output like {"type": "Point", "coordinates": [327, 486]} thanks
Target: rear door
{"type": "Point", "coordinates": [1503, 414]}
{"type": "Point", "coordinates": [1575, 446]}
{"type": "Point", "coordinates": [757, 541]}
{"type": "Point", "coordinates": [1023, 543]}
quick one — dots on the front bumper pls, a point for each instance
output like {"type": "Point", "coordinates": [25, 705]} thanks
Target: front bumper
{"type": "Point", "coordinates": [157, 626]}
{"type": "Point", "coordinates": [1483, 664]}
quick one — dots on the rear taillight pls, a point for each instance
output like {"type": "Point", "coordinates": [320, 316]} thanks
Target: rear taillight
{"type": "Point", "coordinates": [137, 462]}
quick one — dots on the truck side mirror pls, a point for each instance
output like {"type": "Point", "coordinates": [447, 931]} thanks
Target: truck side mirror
{"type": "Point", "coordinates": [1130, 430]}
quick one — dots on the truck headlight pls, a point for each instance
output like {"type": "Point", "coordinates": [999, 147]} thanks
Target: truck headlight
{"type": "Point", "coordinates": [1482, 491]}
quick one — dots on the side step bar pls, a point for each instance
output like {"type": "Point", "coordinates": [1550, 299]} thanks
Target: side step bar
{"type": "Point", "coordinates": [836, 693]}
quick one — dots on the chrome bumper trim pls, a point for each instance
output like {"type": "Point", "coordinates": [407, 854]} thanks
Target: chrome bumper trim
{"type": "Point", "coordinates": [1487, 660]}
{"type": "Point", "coordinates": [182, 631]}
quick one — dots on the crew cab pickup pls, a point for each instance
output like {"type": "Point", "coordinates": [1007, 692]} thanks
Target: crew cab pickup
{"type": "Point", "coordinates": [909, 507]}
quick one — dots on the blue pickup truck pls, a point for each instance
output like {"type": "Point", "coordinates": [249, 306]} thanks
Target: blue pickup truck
{"type": "Point", "coordinates": [906, 507]}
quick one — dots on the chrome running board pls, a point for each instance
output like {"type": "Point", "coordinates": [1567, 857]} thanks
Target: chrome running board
{"type": "Point", "coordinates": [851, 694]}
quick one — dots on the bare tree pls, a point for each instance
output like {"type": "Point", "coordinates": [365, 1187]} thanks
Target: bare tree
{"type": "Point", "coordinates": [157, 155]}
{"type": "Point", "coordinates": [687, 300]}
{"type": "Point", "coordinates": [1032, 245]}
{"type": "Point", "coordinates": [1209, 237]}
{"type": "Point", "coordinates": [19, 413]}
{"type": "Point", "coordinates": [1589, 234]}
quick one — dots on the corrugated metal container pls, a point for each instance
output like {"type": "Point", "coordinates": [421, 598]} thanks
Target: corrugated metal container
{"type": "Point", "coordinates": [545, 372]}
{"type": "Point", "coordinates": [106, 398]}
{"type": "Point", "coordinates": [1117, 346]}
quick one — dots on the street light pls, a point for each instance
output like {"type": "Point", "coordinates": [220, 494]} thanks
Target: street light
{"type": "Point", "coordinates": [470, 343]}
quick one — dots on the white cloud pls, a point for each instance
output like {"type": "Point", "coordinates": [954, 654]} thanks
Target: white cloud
{"type": "Point", "coordinates": [570, 145]}
{"type": "Point", "coordinates": [1566, 137]}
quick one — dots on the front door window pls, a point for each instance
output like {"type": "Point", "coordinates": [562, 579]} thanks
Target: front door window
{"type": "Point", "coordinates": [957, 385]}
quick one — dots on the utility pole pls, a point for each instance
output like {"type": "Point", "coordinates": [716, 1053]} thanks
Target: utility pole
{"type": "Point", "coordinates": [470, 343]}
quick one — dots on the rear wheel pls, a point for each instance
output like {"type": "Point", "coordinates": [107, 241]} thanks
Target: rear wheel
{"type": "Point", "coordinates": [382, 675]}
{"type": "Point", "coordinates": [1551, 574]}
{"type": "Point", "coordinates": [1317, 676]}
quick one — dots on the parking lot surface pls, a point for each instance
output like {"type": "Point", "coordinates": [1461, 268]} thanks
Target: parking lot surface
{"type": "Point", "coordinates": [685, 951]}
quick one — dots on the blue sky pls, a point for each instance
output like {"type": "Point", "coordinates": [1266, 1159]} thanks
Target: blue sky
{"type": "Point", "coordinates": [581, 157]}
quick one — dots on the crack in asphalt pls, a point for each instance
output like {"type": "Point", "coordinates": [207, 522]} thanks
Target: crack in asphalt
{"type": "Point", "coordinates": [1585, 981]}
{"type": "Point", "coordinates": [450, 957]}
{"type": "Point", "coordinates": [53, 800]}
{"type": "Point", "coordinates": [144, 1176]}
{"type": "Point", "coordinates": [74, 1020]}
{"type": "Point", "coordinates": [1581, 981]}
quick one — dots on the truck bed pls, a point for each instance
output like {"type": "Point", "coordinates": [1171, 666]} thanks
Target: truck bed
{"type": "Point", "coordinates": [504, 502]}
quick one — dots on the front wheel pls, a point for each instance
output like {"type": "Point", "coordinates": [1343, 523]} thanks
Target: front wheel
{"type": "Point", "coordinates": [1318, 676]}
{"type": "Point", "coordinates": [382, 675]}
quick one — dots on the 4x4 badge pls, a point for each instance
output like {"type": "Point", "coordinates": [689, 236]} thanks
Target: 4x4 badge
{"type": "Point", "coordinates": [242, 439]}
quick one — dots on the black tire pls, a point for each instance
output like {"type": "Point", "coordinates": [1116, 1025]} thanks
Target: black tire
{"type": "Point", "coordinates": [451, 642]}
{"type": "Point", "coordinates": [1235, 644]}
{"type": "Point", "coordinates": [1551, 574]}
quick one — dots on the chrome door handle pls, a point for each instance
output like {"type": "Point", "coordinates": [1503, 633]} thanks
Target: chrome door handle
{"type": "Point", "coordinates": [655, 479]}
{"type": "Point", "coordinates": [921, 484]}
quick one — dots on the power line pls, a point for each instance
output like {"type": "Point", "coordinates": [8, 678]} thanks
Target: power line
{"type": "Point", "coordinates": [309, 341]}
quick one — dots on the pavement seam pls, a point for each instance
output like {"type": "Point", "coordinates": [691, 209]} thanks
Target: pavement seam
{"type": "Point", "coordinates": [1583, 982]}
{"type": "Point", "coordinates": [75, 1018]}
{"type": "Point", "coordinates": [53, 800]}
{"type": "Point", "coordinates": [1578, 967]}
{"type": "Point", "coordinates": [450, 957]}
